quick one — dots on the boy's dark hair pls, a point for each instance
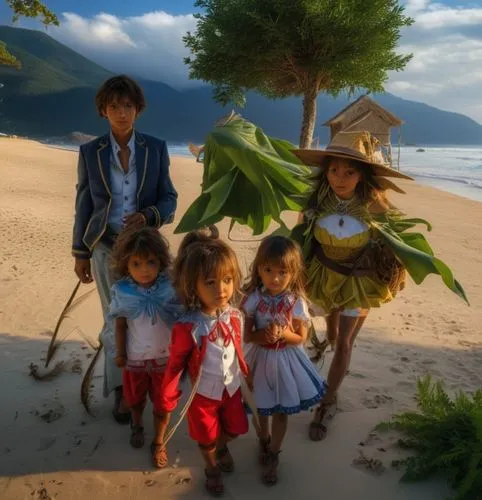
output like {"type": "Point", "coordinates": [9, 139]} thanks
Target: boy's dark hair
{"type": "Point", "coordinates": [119, 87]}
{"type": "Point", "coordinates": [140, 242]}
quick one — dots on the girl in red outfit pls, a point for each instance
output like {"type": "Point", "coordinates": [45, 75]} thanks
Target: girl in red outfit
{"type": "Point", "coordinates": [207, 341]}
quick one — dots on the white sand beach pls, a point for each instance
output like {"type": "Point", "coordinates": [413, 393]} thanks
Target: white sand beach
{"type": "Point", "coordinates": [51, 449]}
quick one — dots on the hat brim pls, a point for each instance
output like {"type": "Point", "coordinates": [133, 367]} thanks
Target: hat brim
{"type": "Point", "coordinates": [316, 156]}
{"type": "Point", "coordinates": [385, 184]}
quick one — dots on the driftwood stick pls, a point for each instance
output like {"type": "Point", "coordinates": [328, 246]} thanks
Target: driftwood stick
{"type": "Point", "coordinates": [86, 382]}
{"type": "Point", "coordinates": [53, 346]}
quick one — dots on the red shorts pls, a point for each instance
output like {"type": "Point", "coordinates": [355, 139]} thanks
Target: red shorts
{"type": "Point", "coordinates": [207, 418]}
{"type": "Point", "coordinates": [140, 378]}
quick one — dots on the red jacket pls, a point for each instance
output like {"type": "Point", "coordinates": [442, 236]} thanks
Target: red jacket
{"type": "Point", "coordinates": [188, 351]}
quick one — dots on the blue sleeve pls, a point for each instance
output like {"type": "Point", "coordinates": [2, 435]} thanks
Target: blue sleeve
{"type": "Point", "coordinates": [83, 210]}
{"type": "Point", "coordinates": [163, 211]}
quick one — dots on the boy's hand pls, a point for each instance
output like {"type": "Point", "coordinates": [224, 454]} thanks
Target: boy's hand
{"type": "Point", "coordinates": [83, 271]}
{"type": "Point", "coordinates": [120, 361]}
{"type": "Point", "coordinates": [135, 221]}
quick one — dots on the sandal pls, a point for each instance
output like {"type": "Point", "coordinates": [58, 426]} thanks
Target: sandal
{"type": "Point", "coordinates": [270, 471]}
{"type": "Point", "coordinates": [137, 436]}
{"type": "Point", "coordinates": [319, 348]}
{"type": "Point", "coordinates": [264, 450]}
{"type": "Point", "coordinates": [224, 459]}
{"type": "Point", "coordinates": [214, 482]}
{"type": "Point", "coordinates": [120, 417]}
{"type": "Point", "coordinates": [317, 428]}
{"type": "Point", "coordinates": [159, 455]}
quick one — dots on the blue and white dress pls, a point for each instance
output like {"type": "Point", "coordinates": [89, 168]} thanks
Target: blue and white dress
{"type": "Point", "coordinates": [284, 378]}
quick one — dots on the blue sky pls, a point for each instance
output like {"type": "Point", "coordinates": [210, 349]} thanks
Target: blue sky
{"type": "Point", "coordinates": [126, 8]}
{"type": "Point", "coordinates": [123, 8]}
{"type": "Point", "coordinates": [144, 38]}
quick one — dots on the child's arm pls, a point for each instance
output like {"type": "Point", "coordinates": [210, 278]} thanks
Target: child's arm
{"type": "Point", "coordinates": [120, 342]}
{"type": "Point", "coordinates": [296, 333]}
{"type": "Point", "coordinates": [180, 349]}
{"type": "Point", "coordinates": [252, 336]}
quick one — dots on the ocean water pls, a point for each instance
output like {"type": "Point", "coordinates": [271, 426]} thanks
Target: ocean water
{"type": "Point", "coordinates": [456, 169]}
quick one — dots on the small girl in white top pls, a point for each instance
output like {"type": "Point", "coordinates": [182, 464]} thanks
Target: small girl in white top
{"type": "Point", "coordinates": [276, 326]}
{"type": "Point", "coordinates": [145, 307]}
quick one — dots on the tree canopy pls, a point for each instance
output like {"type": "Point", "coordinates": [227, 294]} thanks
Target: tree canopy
{"type": "Point", "coordinates": [25, 8]}
{"type": "Point", "coordinates": [299, 47]}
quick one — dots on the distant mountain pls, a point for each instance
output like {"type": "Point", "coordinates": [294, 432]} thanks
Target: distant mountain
{"type": "Point", "coordinates": [53, 95]}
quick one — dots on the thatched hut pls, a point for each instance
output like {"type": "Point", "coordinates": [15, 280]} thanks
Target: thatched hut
{"type": "Point", "coordinates": [367, 114]}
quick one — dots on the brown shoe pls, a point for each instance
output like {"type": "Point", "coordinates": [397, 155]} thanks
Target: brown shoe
{"type": "Point", "coordinates": [214, 482]}
{"type": "Point", "coordinates": [159, 456]}
{"type": "Point", "coordinates": [270, 469]}
{"type": "Point", "coordinates": [224, 459]}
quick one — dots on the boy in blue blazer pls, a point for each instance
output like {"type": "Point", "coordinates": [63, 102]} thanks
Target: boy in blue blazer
{"type": "Point", "coordinates": [123, 182]}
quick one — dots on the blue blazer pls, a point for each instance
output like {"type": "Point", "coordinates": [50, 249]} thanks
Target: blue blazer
{"type": "Point", "coordinates": [156, 196]}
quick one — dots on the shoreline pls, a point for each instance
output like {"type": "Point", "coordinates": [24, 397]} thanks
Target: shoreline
{"type": "Point", "coordinates": [458, 187]}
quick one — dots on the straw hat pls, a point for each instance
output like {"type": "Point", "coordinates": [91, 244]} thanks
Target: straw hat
{"type": "Point", "coordinates": [359, 146]}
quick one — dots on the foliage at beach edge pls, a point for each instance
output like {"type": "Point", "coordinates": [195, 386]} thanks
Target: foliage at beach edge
{"type": "Point", "coordinates": [25, 8]}
{"type": "Point", "coordinates": [447, 436]}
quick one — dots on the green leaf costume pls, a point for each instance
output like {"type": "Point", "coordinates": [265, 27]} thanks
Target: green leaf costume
{"type": "Point", "coordinates": [252, 178]}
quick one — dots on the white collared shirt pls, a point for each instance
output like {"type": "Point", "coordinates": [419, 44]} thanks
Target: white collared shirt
{"type": "Point", "coordinates": [220, 370]}
{"type": "Point", "coordinates": [123, 184]}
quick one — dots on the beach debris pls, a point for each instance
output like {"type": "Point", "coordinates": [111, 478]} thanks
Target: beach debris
{"type": "Point", "coordinates": [373, 465]}
{"type": "Point", "coordinates": [69, 307]}
{"type": "Point", "coordinates": [85, 389]}
{"type": "Point", "coordinates": [49, 375]}
{"type": "Point", "coordinates": [183, 480]}
{"type": "Point", "coordinates": [52, 414]}
{"type": "Point", "coordinates": [42, 493]}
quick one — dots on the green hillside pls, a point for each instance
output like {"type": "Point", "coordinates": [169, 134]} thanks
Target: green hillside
{"type": "Point", "coordinates": [47, 65]}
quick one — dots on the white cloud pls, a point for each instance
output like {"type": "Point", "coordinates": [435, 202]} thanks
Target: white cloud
{"type": "Point", "coordinates": [149, 46]}
{"type": "Point", "coordinates": [446, 70]}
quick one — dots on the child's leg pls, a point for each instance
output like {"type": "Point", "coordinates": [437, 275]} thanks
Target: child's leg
{"type": "Point", "coordinates": [204, 427]}
{"type": "Point", "coordinates": [264, 438]}
{"type": "Point", "coordinates": [161, 420]}
{"type": "Point", "coordinates": [234, 421]}
{"type": "Point", "coordinates": [158, 450]}
{"type": "Point", "coordinates": [332, 323]}
{"type": "Point", "coordinates": [279, 425]}
{"type": "Point", "coordinates": [264, 433]}
{"type": "Point", "coordinates": [214, 480]}
{"type": "Point", "coordinates": [135, 387]}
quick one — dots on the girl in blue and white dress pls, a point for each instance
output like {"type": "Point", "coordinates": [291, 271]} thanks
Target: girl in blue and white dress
{"type": "Point", "coordinates": [276, 327]}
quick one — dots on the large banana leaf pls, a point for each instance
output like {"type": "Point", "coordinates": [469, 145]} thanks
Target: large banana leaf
{"type": "Point", "coordinates": [249, 177]}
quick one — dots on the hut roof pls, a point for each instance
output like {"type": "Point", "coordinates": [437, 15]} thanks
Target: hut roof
{"type": "Point", "coordinates": [384, 113]}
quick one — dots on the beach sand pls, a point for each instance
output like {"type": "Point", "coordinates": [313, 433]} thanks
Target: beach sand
{"type": "Point", "coordinates": [50, 447]}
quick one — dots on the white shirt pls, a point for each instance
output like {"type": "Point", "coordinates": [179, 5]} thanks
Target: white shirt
{"type": "Point", "coordinates": [220, 370]}
{"type": "Point", "coordinates": [123, 184]}
{"type": "Point", "coordinates": [146, 340]}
